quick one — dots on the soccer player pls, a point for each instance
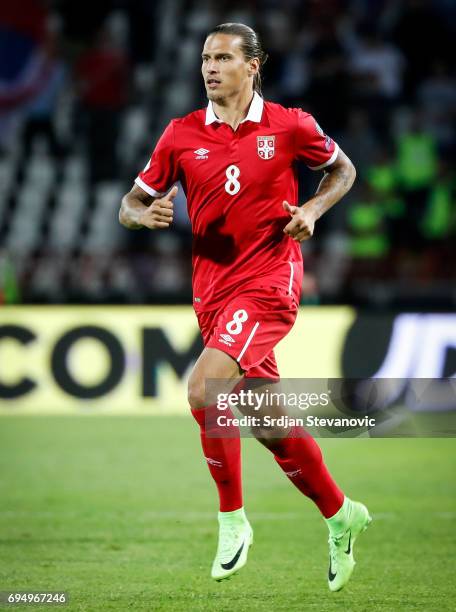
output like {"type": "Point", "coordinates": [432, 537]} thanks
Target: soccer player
{"type": "Point", "coordinates": [236, 163]}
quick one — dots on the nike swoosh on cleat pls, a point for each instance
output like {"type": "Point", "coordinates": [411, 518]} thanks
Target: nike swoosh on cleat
{"type": "Point", "coordinates": [234, 560]}
{"type": "Point", "coordinates": [331, 576]}
{"type": "Point", "coordinates": [348, 551]}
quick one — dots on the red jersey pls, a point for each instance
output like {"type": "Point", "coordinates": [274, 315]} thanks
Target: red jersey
{"type": "Point", "coordinates": [235, 182]}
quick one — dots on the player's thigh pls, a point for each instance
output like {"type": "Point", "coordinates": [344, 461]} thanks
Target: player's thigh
{"type": "Point", "coordinates": [214, 372]}
{"type": "Point", "coordinates": [251, 325]}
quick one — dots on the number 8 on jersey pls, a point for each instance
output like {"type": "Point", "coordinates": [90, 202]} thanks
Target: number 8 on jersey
{"type": "Point", "coordinates": [232, 185]}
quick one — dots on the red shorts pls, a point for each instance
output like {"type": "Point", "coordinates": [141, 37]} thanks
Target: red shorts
{"type": "Point", "coordinates": [249, 326]}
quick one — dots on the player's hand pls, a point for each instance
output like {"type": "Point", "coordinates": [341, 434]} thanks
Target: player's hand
{"type": "Point", "coordinates": [159, 215]}
{"type": "Point", "coordinates": [301, 226]}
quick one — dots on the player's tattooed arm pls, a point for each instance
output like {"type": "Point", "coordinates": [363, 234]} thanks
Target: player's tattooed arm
{"type": "Point", "coordinates": [336, 182]}
{"type": "Point", "coordinates": [139, 209]}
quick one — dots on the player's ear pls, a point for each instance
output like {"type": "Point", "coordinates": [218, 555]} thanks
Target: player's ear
{"type": "Point", "coordinates": [254, 66]}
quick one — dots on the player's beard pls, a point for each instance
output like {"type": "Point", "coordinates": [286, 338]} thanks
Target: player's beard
{"type": "Point", "coordinates": [222, 99]}
{"type": "Point", "coordinates": [217, 98]}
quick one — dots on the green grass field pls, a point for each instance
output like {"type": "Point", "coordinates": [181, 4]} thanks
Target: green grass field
{"type": "Point", "coordinates": [120, 513]}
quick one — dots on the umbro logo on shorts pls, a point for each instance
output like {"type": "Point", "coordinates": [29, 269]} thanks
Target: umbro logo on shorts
{"type": "Point", "coordinates": [227, 337]}
{"type": "Point", "coordinates": [201, 153]}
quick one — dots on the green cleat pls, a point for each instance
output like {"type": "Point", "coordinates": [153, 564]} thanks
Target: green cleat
{"type": "Point", "coordinates": [341, 561]}
{"type": "Point", "coordinates": [235, 538]}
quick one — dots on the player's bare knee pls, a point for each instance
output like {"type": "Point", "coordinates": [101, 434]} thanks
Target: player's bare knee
{"type": "Point", "coordinates": [268, 436]}
{"type": "Point", "coordinates": [196, 392]}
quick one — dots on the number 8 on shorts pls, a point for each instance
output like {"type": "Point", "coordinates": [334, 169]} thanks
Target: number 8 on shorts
{"type": "Point", "coordinates": [234, 327]}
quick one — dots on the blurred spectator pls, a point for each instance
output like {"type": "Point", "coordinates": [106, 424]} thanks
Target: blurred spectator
{"type": "Point", "coordinates": [23, 65]}
{"type": "Point", "coordinates": [328, 88]}
{"type": "Point", "coordinates": [417, 157]}
{"type": "Point", "coordinates": [359, 139]}
{"type": "Point", "coordinates": [102, 74]}
{"type": "Point", "coordinates": [40, 112]}
{"type": "Point", "coordinates": [382, 173]}
{"type": "Point", "coordinates": [437, 98]}
{"type": "Point", "coordinates": [439, 221]}
{"type": "Point", "coordinates": [143, 21]}
{"type": "Point", "coordinates": [366, 221]}
{"type": "Point", "coordinates": [416, 170]}
{"type": "Point", "coordinates": [377, 68]}
{"type": "Point", "coordinates": [422, 35]}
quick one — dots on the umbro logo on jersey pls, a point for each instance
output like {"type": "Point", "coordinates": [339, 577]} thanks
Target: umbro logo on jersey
{"type": "Point", "coordinates": [201, 153]}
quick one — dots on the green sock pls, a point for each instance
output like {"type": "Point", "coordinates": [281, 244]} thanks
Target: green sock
{"type": "Point", "coordinates": [337, 523]}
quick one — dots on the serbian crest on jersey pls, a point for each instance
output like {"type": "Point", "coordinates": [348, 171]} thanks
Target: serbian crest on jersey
{"type": "Point", "coordinates": [266, 146]}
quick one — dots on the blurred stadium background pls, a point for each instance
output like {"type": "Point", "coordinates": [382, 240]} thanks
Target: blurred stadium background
{"type": "Point", "coordinates": [87, 90]}
{"type": "Point", "coordinates": [98, 320]}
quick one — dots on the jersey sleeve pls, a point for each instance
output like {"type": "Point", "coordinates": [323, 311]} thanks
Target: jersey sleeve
{"type": "Point", "coordinates": [313, 146]}
{"type": "Point", "coordinates": [161, 170]}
